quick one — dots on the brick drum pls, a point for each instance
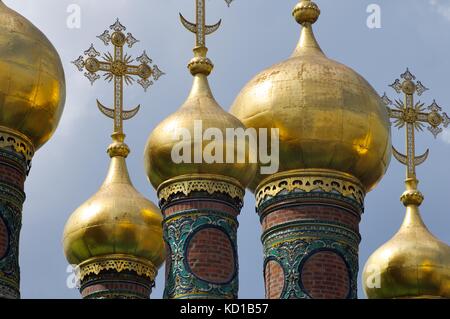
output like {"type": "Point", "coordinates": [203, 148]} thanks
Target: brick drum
{"type": "Point", "coordinates": [312, 212]}
{"type": "Point", "coordinates": [4, 238]}
{"type": "Point", "coordinates": [12, 175]}
{"type": "Point", "coordinates": [115, 288]}
{"type": "Point", "coordinates": [325, 276]}
{"type": "Point", "coordinates": [210, 256]}
{"type": "Point", "coordinates": [274, 278]}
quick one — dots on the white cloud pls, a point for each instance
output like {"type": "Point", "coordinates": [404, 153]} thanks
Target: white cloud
{"type": "Point", "coordinates": [441, 7]}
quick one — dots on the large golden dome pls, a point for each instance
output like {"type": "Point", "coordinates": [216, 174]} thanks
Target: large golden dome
{"type": "Point", "coordinates": [199, 106]}
{"type": "Point", "coordinates": [32, 84]}
{"type": "Point", "coordinates": [328, 116]}
{"type": "Point", "coordinates": [413, 264]}
{"type": "Point", "coordinates": [117, 220]}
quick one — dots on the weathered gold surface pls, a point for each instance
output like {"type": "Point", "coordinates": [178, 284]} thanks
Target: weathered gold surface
{"type": "Point", "coordinates": [32, 83]}
{"type": "Point", "coordinates": [414, 263]}
{"type": "Point", "coordinates": [329, 117]}
{"type": "Point", "coordinates": [199, 106]}
{"type": "Point", "coordinates": [116, 220]}
{"type": "Point", "coordinates": [310, 180]}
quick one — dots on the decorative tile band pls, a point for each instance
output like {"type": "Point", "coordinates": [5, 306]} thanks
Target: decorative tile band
{"type": "Point", "coordinates": [187, 184]}
{"type": "Point", "coordinates": [309, 181]}
{"type": "Point", "coordinates": [18, 142]}
{"type": "Point", "coordinates": [118, 263]}
{"type": "Point", "coordinates": [11, 202]}
{"type": "Point", "coordinates": [116, 277]}
{"type": "Point", "coordinates": [311, 236]}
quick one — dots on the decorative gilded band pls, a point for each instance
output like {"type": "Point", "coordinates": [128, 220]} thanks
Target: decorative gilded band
{"type": "Point", "coordinates": [309, 181]}
{"type": "Point", "coordinates": [117, 263]}
{"type": "Point", "coordinates": [19, 142]}
{"type": "Point", "coordinates": [187, 184]}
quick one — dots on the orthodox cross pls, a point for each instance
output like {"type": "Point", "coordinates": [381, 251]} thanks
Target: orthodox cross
{"type": "Point", "coordinates": [118, 66]}
{"type": "Point", "coordinates": [200, 28]}
{"type": "Point", "coordinates": [414, 116]}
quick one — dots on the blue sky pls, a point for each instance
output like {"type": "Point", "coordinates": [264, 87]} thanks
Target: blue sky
{"type": "Point", "coordinates": [255, 34]}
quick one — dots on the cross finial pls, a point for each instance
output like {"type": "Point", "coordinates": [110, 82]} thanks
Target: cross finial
{"type": "Point", "coordinates": [118, 67]}
{"type": "Point", "coordinates": [414, 117]}
{"type": "Point", "coordinates": [201, 64]}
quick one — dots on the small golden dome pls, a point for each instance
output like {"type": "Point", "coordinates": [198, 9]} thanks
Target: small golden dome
{"type": "Point", "coordinates": [328, 116]}
{"type": "Point", "coordinates": [199, 106]}
{"type": "Point", "coordinates": [116, 220]}
{"type": "Point", "coordinates": [413, 264]}
{"type": "Point", "coordinates": [32, 84]}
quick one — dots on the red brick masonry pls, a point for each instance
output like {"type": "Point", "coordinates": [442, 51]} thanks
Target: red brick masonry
{"type": "Point", "coordinates": [325, 276]}
{"type": "Point", "coordinates": [274, 279]}
{"type": "Point", "coordinates": [210, 256]}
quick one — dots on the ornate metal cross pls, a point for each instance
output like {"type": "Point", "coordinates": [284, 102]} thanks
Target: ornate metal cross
{"type": "Point", "coordinates": [118, 66]}
{"type": "Point", "coordinates": [413, 115]}
{"type": "Point", "coordinates": [200, 28]}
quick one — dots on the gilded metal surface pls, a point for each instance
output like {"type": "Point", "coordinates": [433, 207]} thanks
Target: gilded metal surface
{"type": "Point", "coordinates": [310, 181]}
{"type": "Point", "coordinates": [118, 263]}
{"type": "Point", "coordinates": [328, 116]}
{"type": "Point", "coordinates": [116, 220]}
{"type": "Point", "coordinates": [32, 83]}
{"type": "Point", "coordinates": [412, 115]}
{"type": "Point", "coordinates": [118, 67]}
{"type": "Point", "coordinates": [413, 263]}
{"type": "Point", "coordinates": [18, 142]}
{"type": "Point", "coordinates": [199, 106]}
{"type": "Point", "coordinates": [201, 182]}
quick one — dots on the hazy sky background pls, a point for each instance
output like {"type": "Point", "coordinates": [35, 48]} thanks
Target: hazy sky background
{"type": "Point", "coordinates": [255, 34]}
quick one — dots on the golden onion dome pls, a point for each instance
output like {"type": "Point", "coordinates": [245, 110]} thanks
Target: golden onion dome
{"type": "Point", "coordinates": [199, 112]}
{"type": "Point", "coordinates": [32, 83]}
{"type": "Point", "coordinates": [328, 116]}
{"type": "Point", "coordinates": [117, 220]}
{"type": "Point", "coordinates": [413, 264]}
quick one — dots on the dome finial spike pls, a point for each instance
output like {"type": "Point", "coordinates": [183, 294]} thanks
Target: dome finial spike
{"type": "Point", "coordinates": [307, 13]}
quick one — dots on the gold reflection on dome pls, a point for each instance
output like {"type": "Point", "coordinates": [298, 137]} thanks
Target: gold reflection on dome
{"type": "Point", "coordinates": [116, 220]}
{"type": "Point", "coordinates": [413, 264]}
{"type": "Point", "coordinates": [32, 84]}
{"type": "Point", "coordinates": [329, 117]}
